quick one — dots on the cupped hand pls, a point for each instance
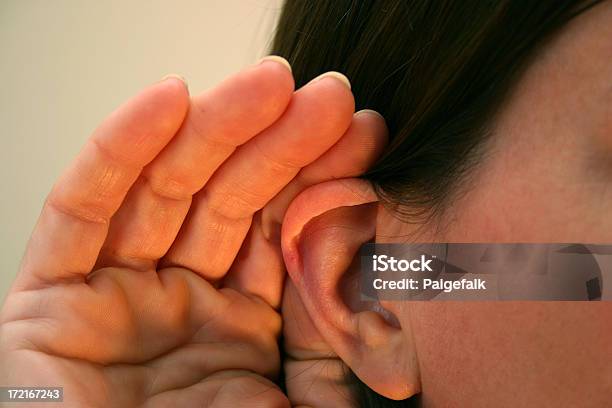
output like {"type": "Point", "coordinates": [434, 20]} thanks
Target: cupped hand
{"type": "Point", "coordinates": [153, 275]}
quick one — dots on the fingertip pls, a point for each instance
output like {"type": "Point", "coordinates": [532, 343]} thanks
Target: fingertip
{"type": "Point", "coordinates": [175, 77]}
{"type": "Point", "coordinates": [251, 100]}
{"type": "Point", "coordinates": [334, 75]}
{"type": "Point", "coordinates": [277, 59]}
{"type": "Point", "coordinates": [334, 100]}
{"type": "Point", "coordinates": [369, 112]}
{"type": "Point", "coordinates": [173, 91]}
{"type": "Point", "coordinates": [169, 101]}
{"type": "Point", "coordinates": [275, 74]}
{"type": "Point", "coordinates": [139, 127]}
{"type": "Point", "coordinates": [357, 150]}
{"type": "Point", "coordinates": [376, 125]}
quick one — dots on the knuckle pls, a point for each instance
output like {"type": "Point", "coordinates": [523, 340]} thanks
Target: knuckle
{"type": "Point", "coordinates": [235, 202]}
{"type": "Point", "coordinates": [169, 187]}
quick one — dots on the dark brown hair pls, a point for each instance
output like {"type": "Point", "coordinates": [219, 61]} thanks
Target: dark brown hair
{"type": "Point", "coordinates": [437, 70]}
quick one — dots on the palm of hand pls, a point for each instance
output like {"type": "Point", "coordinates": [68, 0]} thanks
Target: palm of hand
{"type": "Point", "coordinates": [148, 338]}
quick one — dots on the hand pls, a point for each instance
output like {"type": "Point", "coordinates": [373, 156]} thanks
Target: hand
{"type": "Point", "coordinates": [131, 292]}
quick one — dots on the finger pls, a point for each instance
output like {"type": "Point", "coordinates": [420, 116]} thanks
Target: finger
{"type": "Point", "coordinates": [218, 120]}
{"type": "Point", "coordinates": [351, 156]}
{"type": "Point", "coordinates": [74, 220]}
{"type": "Point", "coordinates": [221, 213]}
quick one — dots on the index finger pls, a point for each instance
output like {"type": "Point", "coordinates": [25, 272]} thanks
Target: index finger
{"type": "Point", "coordinates": [74, 220]}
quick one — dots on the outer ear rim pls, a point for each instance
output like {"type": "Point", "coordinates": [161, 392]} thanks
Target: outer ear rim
{"type": "Point", "coordinates": [338, 193]}
{"type": "Point", "coordinates": [376, 337]}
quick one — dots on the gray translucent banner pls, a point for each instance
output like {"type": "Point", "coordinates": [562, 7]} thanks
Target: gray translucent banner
{"type": "Point", "coordinates": [485, 271]}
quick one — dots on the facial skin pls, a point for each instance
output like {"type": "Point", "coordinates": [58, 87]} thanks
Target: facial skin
{"type": "Point", "coordinates": [545, 177]}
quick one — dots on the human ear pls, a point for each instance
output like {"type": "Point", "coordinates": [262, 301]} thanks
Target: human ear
{"type": "Point", "coordinates": [322, 232]}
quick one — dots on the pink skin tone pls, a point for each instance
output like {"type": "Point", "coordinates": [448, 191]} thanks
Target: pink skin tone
{"type": "Point", "coordinates": [546, 178]}
{"type": "Point", "coordinates": [154, 275]}
{"type": "Point", "coordinates": [177, 203]}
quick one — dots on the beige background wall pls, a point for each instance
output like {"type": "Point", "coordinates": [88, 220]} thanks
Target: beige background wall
{"type": "Point", "coordinates": [65, 64]}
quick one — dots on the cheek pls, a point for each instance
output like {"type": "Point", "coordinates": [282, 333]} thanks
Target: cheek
{"type": "Point", "coordinates": [533, 194]}
{"type": "Point", "coordinates": [515, 351]}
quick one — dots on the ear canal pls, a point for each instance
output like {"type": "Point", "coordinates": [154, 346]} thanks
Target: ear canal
{"type": "Point", "coordinates": [322, 232]}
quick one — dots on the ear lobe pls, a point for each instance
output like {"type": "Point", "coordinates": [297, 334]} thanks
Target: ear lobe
{"type": "Point", "coordinates": [323, 230]}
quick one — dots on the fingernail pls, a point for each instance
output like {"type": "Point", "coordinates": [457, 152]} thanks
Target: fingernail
{"type": "Point", "coordinates": [333, 74]}
{"type": "Point", "coordinates": [175, 76]}
{"type": "Point", "coordinates": [275, 58]}
{"type": "Point", "coordinates": [369, 112]}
